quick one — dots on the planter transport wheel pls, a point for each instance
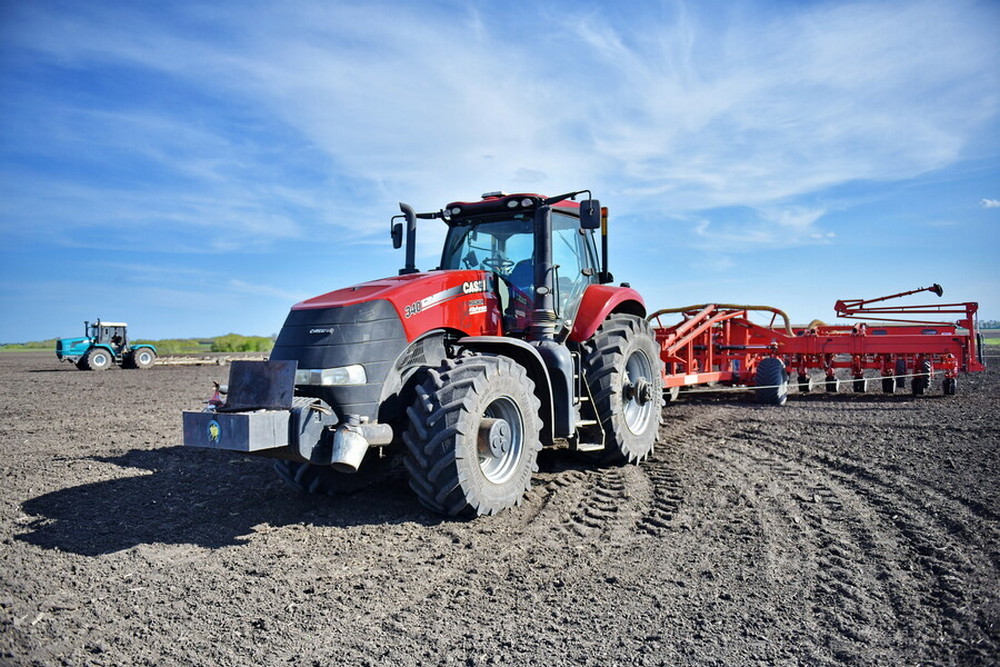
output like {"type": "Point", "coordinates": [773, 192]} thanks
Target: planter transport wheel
{"type": "Point", "coordinates": [771, 379]}
{"type": "Point", "coordinates": [922, 379]}
{"type": "Point", "coordinates": [900, 372]}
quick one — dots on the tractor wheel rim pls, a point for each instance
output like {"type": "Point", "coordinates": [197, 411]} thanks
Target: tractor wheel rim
{"type": "Point", "coordinates": [500, 451]}
{"type": "Point", "coordinates": [636, 409]}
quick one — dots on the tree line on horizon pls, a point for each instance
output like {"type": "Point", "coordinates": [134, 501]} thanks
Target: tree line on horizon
{"type": "Point", "coordinates": [229, 343]}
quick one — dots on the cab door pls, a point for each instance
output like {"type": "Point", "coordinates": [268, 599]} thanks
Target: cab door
{"type": "Point", "coordinates": [574, 255]}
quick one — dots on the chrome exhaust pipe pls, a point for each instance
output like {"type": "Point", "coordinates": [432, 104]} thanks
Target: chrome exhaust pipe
{"type": "Point", "coordinates": [349, 449]}
{"type": "Point", "coordinates": [352, 440]}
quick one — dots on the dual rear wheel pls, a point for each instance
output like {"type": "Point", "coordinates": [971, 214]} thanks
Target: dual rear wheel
{"type": "Point", "coordinates": [474, 436]}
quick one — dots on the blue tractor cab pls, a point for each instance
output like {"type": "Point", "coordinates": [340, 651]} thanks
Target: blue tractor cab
{"type": "Point", "coordinates": [103, 344]}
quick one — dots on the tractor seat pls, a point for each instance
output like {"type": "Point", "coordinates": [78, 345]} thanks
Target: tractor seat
{"type": "Point", "coordinates": [522, 276]}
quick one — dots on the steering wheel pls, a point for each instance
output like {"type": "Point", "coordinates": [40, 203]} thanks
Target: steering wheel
{"type": "Point", "coordinates": [498, 264]}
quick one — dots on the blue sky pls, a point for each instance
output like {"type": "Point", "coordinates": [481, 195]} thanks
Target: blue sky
{"type": "Point", "coordinates": [197, 168]}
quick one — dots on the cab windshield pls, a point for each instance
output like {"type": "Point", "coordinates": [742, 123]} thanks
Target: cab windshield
{"type": "Point", "coordinates": [505, 247]}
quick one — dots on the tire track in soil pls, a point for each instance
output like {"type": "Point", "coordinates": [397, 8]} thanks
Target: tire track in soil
{"type": "Point", "coordinates": [932, 531]}
{"type": "Point", "coordinates": [616, 503]}
{"type": "Point", "coordinates": [858, 534]}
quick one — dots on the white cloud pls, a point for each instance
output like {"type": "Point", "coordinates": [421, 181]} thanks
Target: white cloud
{"type": "Point", "coordinates": [991, 203]}
{"type": "Point", "coordinates": [746, 229]}
{"type": "Point", "coordinates": [796, 102]}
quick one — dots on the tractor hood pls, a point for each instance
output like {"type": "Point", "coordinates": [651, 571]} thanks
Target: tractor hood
{"type": "Point", "coordinates": [454, 300]}
{"type": "Point", "coordinates": [72, 347]}
{"type": "Point", "coordinates": [367, 329]}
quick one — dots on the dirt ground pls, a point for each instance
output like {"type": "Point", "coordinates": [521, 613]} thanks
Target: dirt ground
{"type": "Point", "coordinates": [847, 529]}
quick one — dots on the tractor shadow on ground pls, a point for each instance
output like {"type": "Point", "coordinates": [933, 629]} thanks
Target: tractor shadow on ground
{"type": "Point", "coordinates": [204, 498]}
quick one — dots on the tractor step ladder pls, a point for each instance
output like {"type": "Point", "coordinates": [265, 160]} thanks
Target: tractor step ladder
{"type": "Point", "coordinates": [589, 434]}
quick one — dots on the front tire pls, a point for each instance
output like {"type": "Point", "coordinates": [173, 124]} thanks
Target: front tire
{"type": "Point", "coordinates": [473, 440]}
{"type": "Point", "coordinates": [622, 367]}
{"type": "Point", "coordinates": [97, 359]}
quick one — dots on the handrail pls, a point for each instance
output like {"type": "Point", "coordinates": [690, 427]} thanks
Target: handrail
{"type": "Point", "coordinates": [728, 306]}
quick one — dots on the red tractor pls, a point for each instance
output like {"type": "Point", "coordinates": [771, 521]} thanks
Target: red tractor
{"type": "Point", "coordinates": [518, 340]}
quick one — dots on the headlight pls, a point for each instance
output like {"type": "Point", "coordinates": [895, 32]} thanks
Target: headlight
{"type": "Point", "coordinates": [329, 377]}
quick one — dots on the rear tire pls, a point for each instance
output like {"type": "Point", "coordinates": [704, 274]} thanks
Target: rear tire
{"type": "Point", "coordinates": [771, 379]}
{"type": "Point", "coordinates": [97, 359]}
{"type": "Point", "coordinates": [142, 358]}
{"type": "Point", "coordinates": [473, 440]}
{"type": "Point", "coordinates": [622, 367]}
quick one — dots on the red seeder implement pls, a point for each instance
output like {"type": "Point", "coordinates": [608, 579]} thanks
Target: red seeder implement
{"type": "Point", "coordinates": [717, 343]}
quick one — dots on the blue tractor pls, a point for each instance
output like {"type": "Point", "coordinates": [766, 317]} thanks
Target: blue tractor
{"type": "Point", "coordinates": [103, 344]}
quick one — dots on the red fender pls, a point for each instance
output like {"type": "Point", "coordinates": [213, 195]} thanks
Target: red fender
{"type": "Point", "coordinates": [598, 302]}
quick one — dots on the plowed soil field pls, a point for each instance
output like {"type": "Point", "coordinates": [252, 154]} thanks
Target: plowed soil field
{"type": "Point", "coordinates": [843, 529]}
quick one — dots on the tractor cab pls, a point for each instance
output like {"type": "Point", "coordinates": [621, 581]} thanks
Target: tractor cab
{"type": "Point", "coordinates": [498, 235]}
{"type": "Point", "coordinates": [111, 334]}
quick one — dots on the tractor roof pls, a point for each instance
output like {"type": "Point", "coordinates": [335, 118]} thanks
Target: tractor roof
{"type": "Point", "coordinates": [501, 202]}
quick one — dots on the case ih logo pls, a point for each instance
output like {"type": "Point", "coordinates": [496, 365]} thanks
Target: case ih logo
{"type": "Point", "coordinates": [473, 286]}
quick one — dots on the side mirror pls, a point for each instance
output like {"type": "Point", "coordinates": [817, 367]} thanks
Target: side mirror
{"type": "Point", "coordinates": [396, 231]}
{"type": "Point", "coordinates": [590, 214]}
